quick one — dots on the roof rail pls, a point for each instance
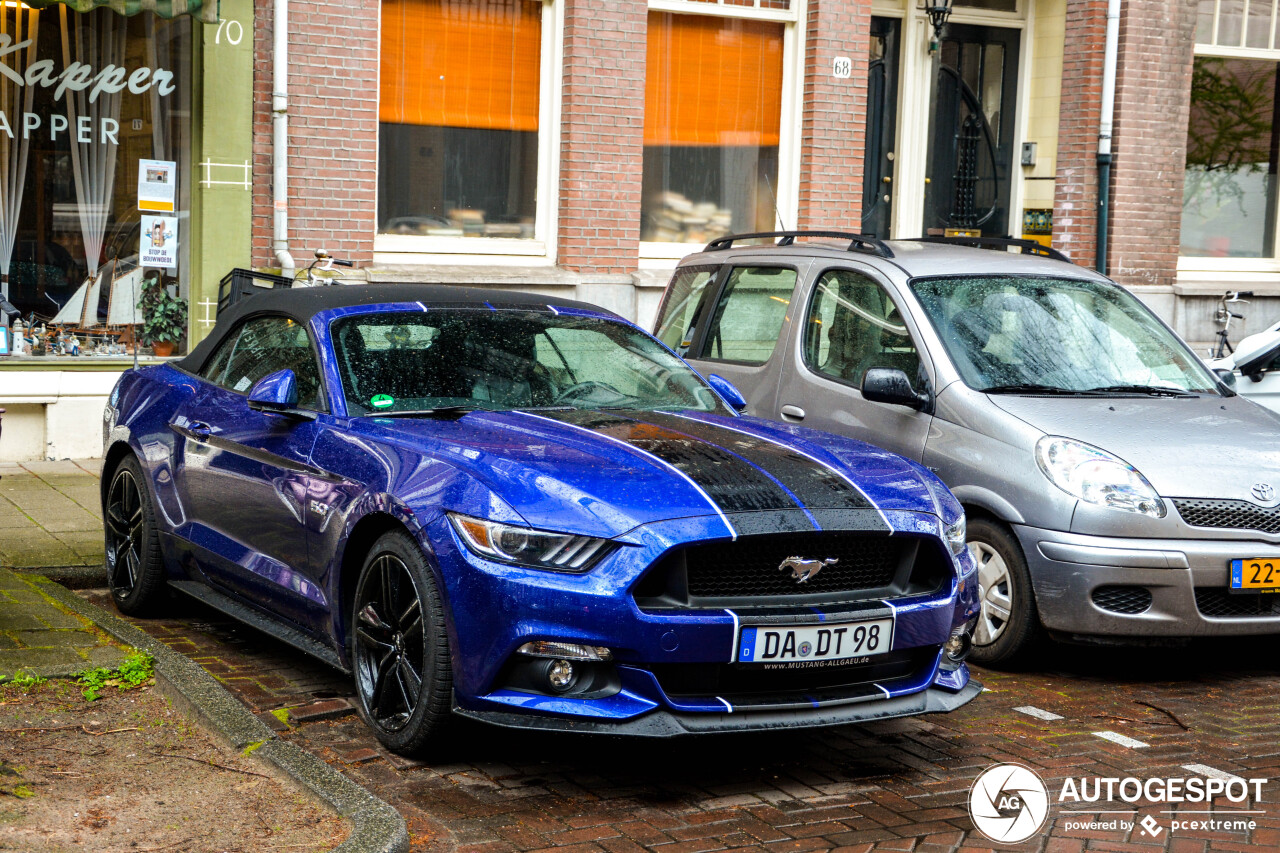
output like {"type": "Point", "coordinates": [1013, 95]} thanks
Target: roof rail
{"type": "Point", "coordinates": [1027, 247]}
{"type": "Point", "coordinates": [857, 242]}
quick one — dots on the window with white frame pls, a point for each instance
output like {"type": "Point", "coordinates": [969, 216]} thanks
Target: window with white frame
{"type": "Point", "coordinates": [715, 154]}
{"type": "Point", "coordinates": [1233, 135]}
{"type": "Point", "coordinates": [462, 135]}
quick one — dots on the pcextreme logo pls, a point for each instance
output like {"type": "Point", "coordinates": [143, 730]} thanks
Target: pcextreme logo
{"type": "Point", "coordinates": [1008, 803]}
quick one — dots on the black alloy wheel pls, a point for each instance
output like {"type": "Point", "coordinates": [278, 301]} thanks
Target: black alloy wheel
{"type": "Point", "coordinates": [400, 648]}
{"type": "Point", "coordinates": [135, 567]}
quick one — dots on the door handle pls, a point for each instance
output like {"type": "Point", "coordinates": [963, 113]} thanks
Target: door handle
{"type": "Point", "coordinates": [794, 412]}
{"type": "Point", "coordinates": [201, 430]}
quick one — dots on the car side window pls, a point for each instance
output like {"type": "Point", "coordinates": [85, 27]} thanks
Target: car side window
{"type": "Point", "coordinates": [216, 366]}
{"type": "Point", "coordinates": [854, 326]}
{"type": "Point", "coordinates": [682, 308]}
{"type": "Point", "coordinates": [263, 346]}
{"type": "Point", "coordinates": [749, 315]}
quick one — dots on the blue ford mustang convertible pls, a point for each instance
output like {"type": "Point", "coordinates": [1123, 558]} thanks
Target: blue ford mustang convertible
{"type": "Point", "coordinates": [529, 512]}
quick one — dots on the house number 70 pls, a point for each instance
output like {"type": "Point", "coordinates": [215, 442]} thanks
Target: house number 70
{"type": "Point", "coordinates": [233, 29]}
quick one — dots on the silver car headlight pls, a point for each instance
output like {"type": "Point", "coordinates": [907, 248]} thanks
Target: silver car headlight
{"type": "Point", "coordinates": [955, 535]}
{"type": "Point", "coordinates": [525, 546]}
{"type": "Point", "coordinates": [1095, 476]}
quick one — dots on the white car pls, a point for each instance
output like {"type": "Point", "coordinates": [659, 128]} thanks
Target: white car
{"type": "Point", "coordinates": [1256, 363]}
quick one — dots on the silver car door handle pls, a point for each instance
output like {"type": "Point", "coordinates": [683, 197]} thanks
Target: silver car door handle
{"type": "Point", "coordinates": [793, 412]}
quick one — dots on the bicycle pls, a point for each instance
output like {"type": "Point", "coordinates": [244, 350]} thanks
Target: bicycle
{"type": "Point", "coordinates": [326, 263]}
{"type": "Point", "coordinates": [1223, 317]}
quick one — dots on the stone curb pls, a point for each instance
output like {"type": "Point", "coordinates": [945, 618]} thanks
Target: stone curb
{"type": "Point", "coordinates": [375, 826]}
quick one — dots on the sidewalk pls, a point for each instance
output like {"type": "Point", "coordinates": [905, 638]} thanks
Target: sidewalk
{"type": "Point", "coordinates": [51, 519]}
{"type": "Point", "coordinates": [50, 525]}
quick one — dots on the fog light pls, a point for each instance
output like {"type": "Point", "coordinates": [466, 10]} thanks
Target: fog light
{"type": "Point", "coordinates": [561, 676]}
{"type": "Point", "coordinates": [959, 644]}
{"type": "Point", "coordinates": [566, 651]}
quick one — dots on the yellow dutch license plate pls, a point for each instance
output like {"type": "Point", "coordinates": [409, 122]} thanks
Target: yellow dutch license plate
{"type": "Point", "coordinates": [1255, 575]}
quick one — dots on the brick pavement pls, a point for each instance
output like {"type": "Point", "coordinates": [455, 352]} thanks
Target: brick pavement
{"type": "Point", "coordinates": [899, 785]}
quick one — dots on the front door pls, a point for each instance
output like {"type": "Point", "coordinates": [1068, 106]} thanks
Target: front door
{"type": "Point", "coordinates": [882, 127]}
{"type": "Point", "coordinates": [971, 135]}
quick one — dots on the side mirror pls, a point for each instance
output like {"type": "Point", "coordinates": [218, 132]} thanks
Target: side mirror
{"type": "Point", "coordinates": [725, 389]}
{"type": "Point", "coordinates": [1228, 377]}
{"type": "Point", "coordinates": [275, 392]}
{"type": "Point", "coordinates": [890, 385]}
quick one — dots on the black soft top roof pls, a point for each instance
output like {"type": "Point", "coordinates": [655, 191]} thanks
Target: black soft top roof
{"type": "Point", "coordinates": [303, 303]}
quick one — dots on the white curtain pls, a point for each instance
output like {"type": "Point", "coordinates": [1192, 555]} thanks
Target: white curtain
{"type": "Point", "coordinates": [93, 163]}
{"type": "Point", "coordinates": [14, 99]}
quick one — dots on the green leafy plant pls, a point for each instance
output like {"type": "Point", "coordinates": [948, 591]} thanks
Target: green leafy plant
{"type": "Point", "coordinates": [136, 670]}
{"type": "Point", "coordinates": [164, 316]}
{"type": "Point", "coordinates": [24, 681]}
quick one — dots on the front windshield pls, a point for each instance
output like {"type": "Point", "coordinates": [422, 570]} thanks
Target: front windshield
{"type": "Point", "coordinates": [416, 361]}
{"type": "Point", "coordinates": [1013, 333]}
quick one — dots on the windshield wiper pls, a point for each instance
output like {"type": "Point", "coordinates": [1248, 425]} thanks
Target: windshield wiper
{"type": "Point", "coordinates": [438, 412]}
{"type": "Point", "coordinates": [1032, 388]}
{"type": "Point", "coordinates": [1151, 390]}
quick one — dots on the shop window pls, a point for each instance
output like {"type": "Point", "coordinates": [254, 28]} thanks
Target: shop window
{"type": "Point", "coordinates": [458, 148]}
{"type": "Point", "coordinates": [712, 127]}
{"type": "Point", "coordinates": [1229, 188]}
{"type": "Point", "coordinates": [70, 225]}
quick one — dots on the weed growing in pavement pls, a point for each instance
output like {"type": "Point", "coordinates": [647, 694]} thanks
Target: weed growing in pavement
{"type": "Point", "coordinates": [137, 669]}
{"type": "Point", "coordinates": [23, 681]}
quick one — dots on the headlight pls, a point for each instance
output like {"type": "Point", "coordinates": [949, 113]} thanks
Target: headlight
{"type": "Point", "coordinates": [524, 546]}
{"type": "Point", "coordinates": [1095, 476]}
{"type": "Point", "coordinates": [955, 534]}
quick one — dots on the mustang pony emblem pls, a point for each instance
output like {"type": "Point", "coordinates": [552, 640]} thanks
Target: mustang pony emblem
{"type": "Point", "coordinates": [802, 569]}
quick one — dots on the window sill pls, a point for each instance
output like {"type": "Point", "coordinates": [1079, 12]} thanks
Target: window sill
{"type": "Point", "coordinates": [669, 252]}
{"type": "Point", "coordinates": [446, 246]}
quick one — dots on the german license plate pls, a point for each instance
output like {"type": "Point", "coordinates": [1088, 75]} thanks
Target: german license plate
{"type": "Point", "coordinates": [797, 646]}
{"type": "Point", "coordinates": [1255, 575]}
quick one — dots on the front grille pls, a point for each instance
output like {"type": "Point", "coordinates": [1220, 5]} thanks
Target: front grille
{"type": "Point", "coordinates": [754, 684]}
{"type": "Point", "coordinates": [1216, 601]}
{"type": "Point", "coordinates": [746, 572]}
{"type": "Point", "coordinates": [749, 566]}
{"type": "Point", "coordinates": [1123, 599]}
{"type": "Point", "coordinates": [1238, 515]}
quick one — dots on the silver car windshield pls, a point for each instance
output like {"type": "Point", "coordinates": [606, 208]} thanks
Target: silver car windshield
{"type": "Point", "coordinates": [442, 360]}
{"type": "Point", "coordinates": [1043, 335]}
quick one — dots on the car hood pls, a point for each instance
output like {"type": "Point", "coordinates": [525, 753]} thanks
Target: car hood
{"type": "Point", "coordinates": [1202, 447]}
{"type": "Point", "coordinates": [605, 473]}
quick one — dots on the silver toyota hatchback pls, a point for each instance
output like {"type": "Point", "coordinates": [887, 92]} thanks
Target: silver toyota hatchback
{"type": "Point", "coordinates": [1115, 487]}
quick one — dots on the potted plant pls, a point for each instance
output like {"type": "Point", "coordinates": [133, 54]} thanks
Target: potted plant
{"type": "Point", "coordinates": [164, 316]}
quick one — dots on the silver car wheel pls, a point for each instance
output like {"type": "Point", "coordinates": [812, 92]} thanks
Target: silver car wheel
{"type": "Point", "coordinates": [995, 592]}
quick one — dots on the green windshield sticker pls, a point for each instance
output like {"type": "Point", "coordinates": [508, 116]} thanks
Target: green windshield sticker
{"type": "Point", "coordinates": [382, 401]}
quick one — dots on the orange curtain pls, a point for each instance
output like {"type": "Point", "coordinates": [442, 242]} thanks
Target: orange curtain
{"type": "Point", "coordinates": [712, 81]}
{"type": "Point", "coordinates": [461, 63]}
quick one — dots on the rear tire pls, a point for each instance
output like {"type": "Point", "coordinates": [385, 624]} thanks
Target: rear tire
{"type": "Point", "coordinates": [135, 564]}
{"type": "Point", "coordinates": [1008, 623]}
{"type": "Point", "coordinates": [400, 647]}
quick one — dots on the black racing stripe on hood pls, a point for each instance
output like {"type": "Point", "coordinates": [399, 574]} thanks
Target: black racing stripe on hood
{"type": "Point", "coordinates": [733, 483]}
{"type": "Point", "coordinates": [815, 484]}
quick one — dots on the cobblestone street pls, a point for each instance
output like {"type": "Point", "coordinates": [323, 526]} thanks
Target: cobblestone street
{"type": "Point", "coordinates": [898, 785]}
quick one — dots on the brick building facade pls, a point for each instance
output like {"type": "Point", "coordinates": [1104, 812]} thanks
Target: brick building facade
{"type": "Point", "coordinates": [598, 146]}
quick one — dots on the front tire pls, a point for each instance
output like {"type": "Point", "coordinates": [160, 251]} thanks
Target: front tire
{"type": "Point", "coordinates": [400, 646]}
{"type": "Point", "coordinates": [1008, 623]}
{"type": "Point", "coordinates": [135, 564]}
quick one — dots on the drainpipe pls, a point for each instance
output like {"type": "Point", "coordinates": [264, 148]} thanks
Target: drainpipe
{"type": "Point", "coordinates": [280, 138]}
{"type": "Point", "coordinates": [1104, 129]}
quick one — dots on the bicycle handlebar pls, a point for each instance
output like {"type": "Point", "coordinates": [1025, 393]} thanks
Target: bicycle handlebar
{"type": "Point", "coordinates": [341, 263]}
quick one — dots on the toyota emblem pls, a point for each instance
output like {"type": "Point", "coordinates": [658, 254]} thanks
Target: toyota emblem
{"type": "Point", "coordinates": [1264, 492]}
